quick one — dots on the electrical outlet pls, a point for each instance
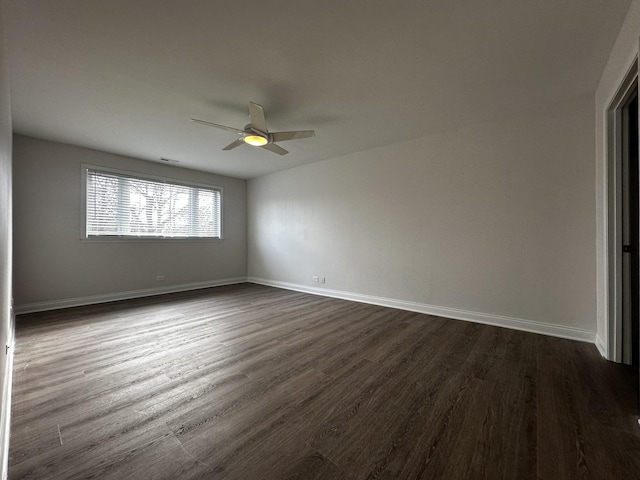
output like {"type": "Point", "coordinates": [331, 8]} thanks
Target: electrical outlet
{"type": "Point", "coordinates": [159, 278]}
{"type": "Point", "coordinates": [322, 279]}
{"type": "Point", "coordinates": [315, 278]}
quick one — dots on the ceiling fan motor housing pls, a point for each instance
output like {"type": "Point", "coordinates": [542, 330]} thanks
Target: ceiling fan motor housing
{"type": "Point", "coordinates": [255, 137]}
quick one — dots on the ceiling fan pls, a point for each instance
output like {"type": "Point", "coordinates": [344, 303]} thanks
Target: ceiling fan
{"type": "Point", "coordinates": [257, 134]}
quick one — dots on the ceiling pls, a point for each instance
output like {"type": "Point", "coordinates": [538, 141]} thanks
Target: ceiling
{"type": "Point", "coordinates": [125, 76]}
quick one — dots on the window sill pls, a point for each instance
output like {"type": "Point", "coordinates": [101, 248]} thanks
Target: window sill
{"type": "Point", "coordinates": [128, 239]}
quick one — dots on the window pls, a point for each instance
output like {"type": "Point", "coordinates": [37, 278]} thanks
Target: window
{"type": "Point", "coordinates": [123, 205]}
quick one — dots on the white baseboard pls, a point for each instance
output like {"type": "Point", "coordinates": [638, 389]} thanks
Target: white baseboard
{"type": "Point", "coordinates": [602, 346]}
{"type": "Point", "coordinates": [532, 326]}
{"type": "Point", "coordinates": [112, 297]}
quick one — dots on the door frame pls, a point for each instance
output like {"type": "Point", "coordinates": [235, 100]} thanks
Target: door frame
{"type": "Point", "coordinates": [615, 152]}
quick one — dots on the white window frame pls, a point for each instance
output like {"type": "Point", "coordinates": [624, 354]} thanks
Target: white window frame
{"type": "Point", "coordinates": [154, 178]}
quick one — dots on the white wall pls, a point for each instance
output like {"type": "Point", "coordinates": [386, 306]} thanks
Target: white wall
{"type": "Point", "coordinates": [493, 222]}
{"type": "Point", "coordinates": [6, 323]}
{"type": "Point", "coordinates": [621, 58]}
{"type": "Point", "coordinates": [54, 267]}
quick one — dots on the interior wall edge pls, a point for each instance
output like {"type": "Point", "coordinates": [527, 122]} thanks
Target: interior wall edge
{"type": "Point", "coordinates": [6, 251]}
{"type": "Point", "coordinates": [531, 326]}
{"type": "Point", "coordinates": [114, 297]}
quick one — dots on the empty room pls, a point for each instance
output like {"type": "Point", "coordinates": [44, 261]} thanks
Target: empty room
{"type": "Point", "coordinates": [319, 240]}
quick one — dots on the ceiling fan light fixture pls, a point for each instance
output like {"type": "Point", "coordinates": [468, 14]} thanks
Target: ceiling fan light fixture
{"type": "Point", "coordinates": [255, 140]}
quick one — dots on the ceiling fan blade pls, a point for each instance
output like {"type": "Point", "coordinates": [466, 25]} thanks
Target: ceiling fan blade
{"type": "Point", "coordinates": [223, 127]}
{"type": "Point", "coordinates": [256, 113]}
{"type": "Point", "coordinates": [272, 147]}
{"type": "Point", "coordinates": [283, 136]}
{"type": "Point", "coordinates": [233, 145]}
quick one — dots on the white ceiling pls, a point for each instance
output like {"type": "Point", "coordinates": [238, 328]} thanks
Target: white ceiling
{"type": "Point", "coordinates": [125, 76]}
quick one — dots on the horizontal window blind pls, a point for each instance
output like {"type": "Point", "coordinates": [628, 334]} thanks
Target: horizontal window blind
{"type": "Point", "coordinates": [124, 205]}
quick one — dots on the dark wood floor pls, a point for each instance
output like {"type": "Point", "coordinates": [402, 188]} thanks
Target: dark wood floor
{"type": "Point", "coordinates": [251, 382]}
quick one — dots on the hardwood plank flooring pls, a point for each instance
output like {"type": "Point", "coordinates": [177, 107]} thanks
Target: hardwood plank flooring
{"type": "Point", "coordinates": [252, 382]}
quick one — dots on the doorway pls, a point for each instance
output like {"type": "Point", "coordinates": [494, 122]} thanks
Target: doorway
{"type": "Point", "coordinates": [630, 231]}
{"type": "Point", "coordinates": [623, 219]}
